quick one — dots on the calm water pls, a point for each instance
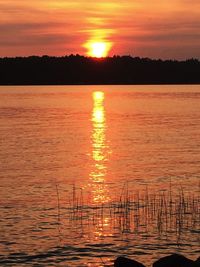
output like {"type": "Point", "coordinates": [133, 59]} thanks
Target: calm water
{"type": "Point", "coordinates": [71, 157]}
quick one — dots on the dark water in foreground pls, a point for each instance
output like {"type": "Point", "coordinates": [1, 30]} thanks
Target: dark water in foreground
{"type": "Point", "coordinates": [89, 173]}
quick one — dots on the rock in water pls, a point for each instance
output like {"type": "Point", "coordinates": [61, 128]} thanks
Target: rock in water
{"type": "Point", "coordinates": [125, 262]}
{"type": "Point", "coordinates": [174, 260]}
{"type": "Point", "coordinates": [197, 262]}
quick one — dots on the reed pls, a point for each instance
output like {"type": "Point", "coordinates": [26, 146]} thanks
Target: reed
{"type": "Point", "coordinates": [133, 212]}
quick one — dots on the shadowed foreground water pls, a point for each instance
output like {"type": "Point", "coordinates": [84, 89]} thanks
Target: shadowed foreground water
{"type": "Point", "coordinates": [91, 173]}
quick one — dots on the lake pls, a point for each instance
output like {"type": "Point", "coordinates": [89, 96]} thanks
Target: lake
{"type": "Point", "coordinates": [89, 173]}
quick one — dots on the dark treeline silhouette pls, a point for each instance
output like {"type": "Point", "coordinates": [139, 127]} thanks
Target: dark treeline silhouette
{"type": "Point", "coordinates": [76, 69]}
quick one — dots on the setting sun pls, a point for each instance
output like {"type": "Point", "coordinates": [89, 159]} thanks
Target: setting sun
{"type": "Point", "coordinates": [98, 49]}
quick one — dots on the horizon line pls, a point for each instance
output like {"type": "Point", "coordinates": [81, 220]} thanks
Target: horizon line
{"type": "Point", "coordinates": [100, 58]}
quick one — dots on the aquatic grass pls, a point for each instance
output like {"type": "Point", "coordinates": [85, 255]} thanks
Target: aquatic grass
{"type": "Point", "coordinates": [164, 212]}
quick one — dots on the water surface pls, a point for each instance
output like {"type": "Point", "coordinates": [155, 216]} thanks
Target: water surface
{"type": "Point", "coordinates": [71, 155]}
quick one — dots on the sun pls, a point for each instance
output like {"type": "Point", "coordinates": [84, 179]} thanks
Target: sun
{"type": "Point", "coordinates": [98, 49]}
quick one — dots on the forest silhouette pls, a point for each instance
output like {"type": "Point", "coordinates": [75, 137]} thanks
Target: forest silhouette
{"type": "Point", "coordinates": [76, 69]}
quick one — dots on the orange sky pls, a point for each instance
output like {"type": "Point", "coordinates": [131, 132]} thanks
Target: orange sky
{"type": "Point", "coordinates": [156, 28]}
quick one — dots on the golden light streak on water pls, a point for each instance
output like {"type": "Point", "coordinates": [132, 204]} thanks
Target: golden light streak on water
{"type": "Point", "coordinates": [100, 150]}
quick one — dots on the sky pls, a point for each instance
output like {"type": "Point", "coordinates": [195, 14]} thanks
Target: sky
{"type": "Point", "coordinates": [146, 28]}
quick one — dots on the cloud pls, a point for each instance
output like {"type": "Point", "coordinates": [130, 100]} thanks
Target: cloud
{"type": "Point", "coordinates": [139, 25]}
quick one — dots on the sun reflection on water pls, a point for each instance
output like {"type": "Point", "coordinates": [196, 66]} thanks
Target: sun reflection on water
{"type": "Point", "coordinates": [100, 150]}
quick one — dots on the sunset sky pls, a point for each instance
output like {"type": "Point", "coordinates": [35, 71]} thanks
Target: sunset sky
{"type": "Point", "coordinates": [156, 28]}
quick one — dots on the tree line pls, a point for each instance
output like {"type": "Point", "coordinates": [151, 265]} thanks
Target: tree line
{"type": "Point", "coordinates": [76, 69]}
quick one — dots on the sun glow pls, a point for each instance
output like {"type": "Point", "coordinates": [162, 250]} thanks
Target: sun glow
{"type": "Point", "coordinates": [98, 49]}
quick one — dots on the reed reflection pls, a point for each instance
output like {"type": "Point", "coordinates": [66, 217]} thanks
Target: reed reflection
{"type": "Point", "coordinates": [99, 150]}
